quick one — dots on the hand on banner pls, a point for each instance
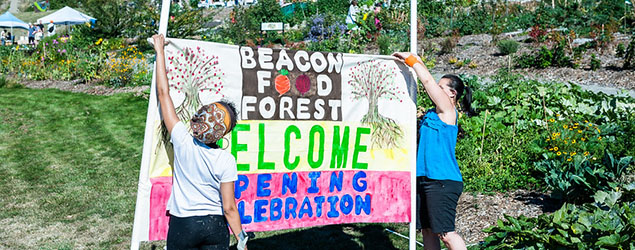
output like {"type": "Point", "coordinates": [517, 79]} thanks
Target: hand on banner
{"type": "Point", "coordinates": [159, 42]}
{"type": "Point", "coordinates": [403, 57]}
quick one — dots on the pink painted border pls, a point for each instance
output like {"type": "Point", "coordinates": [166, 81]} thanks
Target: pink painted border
{"type": "Point", "coordinates": [159, 195]}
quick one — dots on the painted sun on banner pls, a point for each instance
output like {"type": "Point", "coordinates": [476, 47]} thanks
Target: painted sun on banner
{"type": "Point", "coordinates": [323, 138]}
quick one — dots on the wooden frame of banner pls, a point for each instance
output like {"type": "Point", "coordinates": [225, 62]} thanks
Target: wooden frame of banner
{"type": "Point", "coordinates": [151, 117]}
{"type": "Point", "coordinates": [413, 176]}
{"type": "Point", "coordinates": [153, 107]}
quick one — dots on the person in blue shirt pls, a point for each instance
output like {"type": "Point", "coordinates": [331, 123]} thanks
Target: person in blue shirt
{"type": "Point", "coordinates": [31, 34]}
{"type": "Point", "coordinates": [439, 180]}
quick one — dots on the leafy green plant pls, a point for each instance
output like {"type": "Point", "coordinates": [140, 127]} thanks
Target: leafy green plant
{"type": "Point", "coordinates": [507, 47]}
{"type": "Point", "coordinates": [595, 63]}
{"type": "Point", "coordinates": [577, 179]}
{"type": "Point", "coordinates": [620, 51]}
{"type": "Point", "coordinates": [605, 224]}
{"type": "Point", "coordinates": [383, 42]}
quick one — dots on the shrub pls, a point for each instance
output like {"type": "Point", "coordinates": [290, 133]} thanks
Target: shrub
{"type": "Point", "coordinates": [447, 46]}
{"type": "Point", "coordinates": [630, 55]}
{"type": "Point", "coordinates": [605, 224]}
{"type": "Point", "coordinates": [595, 63]}
{"type": "Point", "coordinates": [620, 50]}
{"type": "Point", "coordinates": [507, 47]}
{"type": "Point", "coordinates": [555, 57]}
{"type": "Point", "coordinates": [537, 33]}
{"type": "Point", "coordinates": [383, 42]}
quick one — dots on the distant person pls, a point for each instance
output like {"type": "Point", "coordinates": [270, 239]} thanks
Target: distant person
{"type": "Point", "coordinates": [51, 28]}
{"type": "Point", "coordinates": [40, 25]}
{"type": "Point", "coordinates": [202, 201]}
{"type": "Point", "coordinates": [31, 34]}
{"type": "Point", "coordinates": [9, 37]}
{"type": "Point", "coordinates": [38, 34]}
{"type": "Point", "coordinates": [351, 18]}
{"type": "Point", "coordinates": [2, 34]}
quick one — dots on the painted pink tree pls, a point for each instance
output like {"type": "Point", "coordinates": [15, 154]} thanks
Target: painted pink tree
{"type": "Point", "coordinates": [192, 72]}
{"type": "Point", "coordinates": [375, 80]}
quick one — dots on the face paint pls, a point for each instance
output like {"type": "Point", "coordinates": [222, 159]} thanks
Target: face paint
{"type": "Point", "coordinates": [210, 123]}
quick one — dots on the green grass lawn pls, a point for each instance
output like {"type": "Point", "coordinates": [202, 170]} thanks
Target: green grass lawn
{"type": "Point", "coordinates": [70, 167]}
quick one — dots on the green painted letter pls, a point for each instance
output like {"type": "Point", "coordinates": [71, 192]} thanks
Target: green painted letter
{"type": "Point", "coordinates": [287, 145]}
{"type": "Point", "coordinates": [360, 148]}
{"type": "Point", "coordinates": [340, 149]}
{"type": "Point", "coordinates": [239, 147]}
{"type": "Point", "coordinates": [316, 163]}
{"type": "Point", "coordinates": [261, 149]}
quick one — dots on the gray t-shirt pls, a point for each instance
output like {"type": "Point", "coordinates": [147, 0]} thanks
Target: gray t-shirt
{"type": "Point", "coordinates": [198, 172]}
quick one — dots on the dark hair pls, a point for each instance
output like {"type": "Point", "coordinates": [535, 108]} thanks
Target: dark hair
{"type": "Point", "coordinates": [233, 114]}
{"type": "Point", "coordinates": [461, 91]}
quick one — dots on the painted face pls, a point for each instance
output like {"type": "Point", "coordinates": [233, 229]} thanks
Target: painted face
{"type": "Point", "coordinates": [210, 123]}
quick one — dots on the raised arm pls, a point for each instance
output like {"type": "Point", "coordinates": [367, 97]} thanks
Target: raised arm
{"type": "Point", "coordinates": [437, 95]}
{"type": "Point", "coordinates": [163, 90]}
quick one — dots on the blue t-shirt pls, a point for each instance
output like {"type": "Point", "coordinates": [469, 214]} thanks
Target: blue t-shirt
{"type": "Point", "coordinates": [31, 31]}
{"type": "Point", "coordinates": [436, 157]}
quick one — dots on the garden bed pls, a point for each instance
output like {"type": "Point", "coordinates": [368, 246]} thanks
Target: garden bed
{"type": "Point", "coordinates": [480, 50]}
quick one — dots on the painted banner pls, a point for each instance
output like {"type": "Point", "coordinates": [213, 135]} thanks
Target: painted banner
{"type": "Point", "coordinates": [323, 138]}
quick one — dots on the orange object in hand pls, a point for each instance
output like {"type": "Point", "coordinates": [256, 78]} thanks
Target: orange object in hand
{"type": "Point", "coordinates": [411, 60]}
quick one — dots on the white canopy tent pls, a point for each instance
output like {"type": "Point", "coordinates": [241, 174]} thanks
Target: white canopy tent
{"type": "Point", "coordinates": [67, 16]}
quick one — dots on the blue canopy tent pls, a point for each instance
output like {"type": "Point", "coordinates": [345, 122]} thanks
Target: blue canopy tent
{"type": "Point", "coordinates": [8, 20]}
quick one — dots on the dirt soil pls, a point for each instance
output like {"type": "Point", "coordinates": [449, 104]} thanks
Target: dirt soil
{"type": "Point", "coordinates": [88, 88]}
{"type": "Point", "coordinates": [476, 212]}
{"type": "Point", "coordinates": [483, 51]}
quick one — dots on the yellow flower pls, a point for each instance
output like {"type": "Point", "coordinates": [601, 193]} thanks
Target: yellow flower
{"type": "Point", "coordinates": [585, 121]}
{"type": "Point", "coordinates": [576, 124]}
{"type": "Point", "coordinates": [574, 153]}
{"type": "Point", "coordinates": [586, 153]}
{"type": "Point", "coordinates": [583, 139]}
{"type": "Point", "coordinates": [573, 142]}
{"type": "Point", "coordinates": [557, 114]}
{"type": "Point", "coordinates": [599, 131]}
{"type": "Point", "coordinates": [365, 16]}
{"type": "Point", "coordinates": [552, 120]}
{"type": "Point", "coordinates": [555, 148]}
{"type": "Point", "coordinates": [579, 131]}
{"type": "Point", "coordinates": [599, 138]}
{"type": "Point", "coordinates": [569, 159]}
{"type": "Point", "coordinates": [564, 152]}
{"type": "Point", "coordinates": [565, 126]}
{"type": "Point", "coordinates": [548, 139]}
{"type": "Point", "coordinates": [565, 141]}
{"type": "Point", "coordinates": [558, 153]}
{"type": "Point", "coordinates": [550, 149]}
{"type": "Point", "coordinates": [554, 134]}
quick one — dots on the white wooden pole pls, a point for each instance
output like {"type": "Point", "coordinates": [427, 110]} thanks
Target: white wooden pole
{"type": "Point", "coordinates": [140, 227]}
{"type": "Point", "coordinates": [413, 169]}
{"type": "Point", "coordinates": [413, 26]}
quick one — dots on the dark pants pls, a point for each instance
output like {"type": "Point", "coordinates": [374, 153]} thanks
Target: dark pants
{"type": "Point", "coordinates": [437, 203]}
{"type": "Point", "coordinates": [208, 232]}
{"type": "Point", "coordinates": [31, 39]}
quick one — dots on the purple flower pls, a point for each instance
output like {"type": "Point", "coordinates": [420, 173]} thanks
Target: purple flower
{"type": "Point", "coordinates": [55, 41]}
{"type": "Point", "coordinates": [59, 51]}
{"type": "Point", "coordinates": [63, 51]}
